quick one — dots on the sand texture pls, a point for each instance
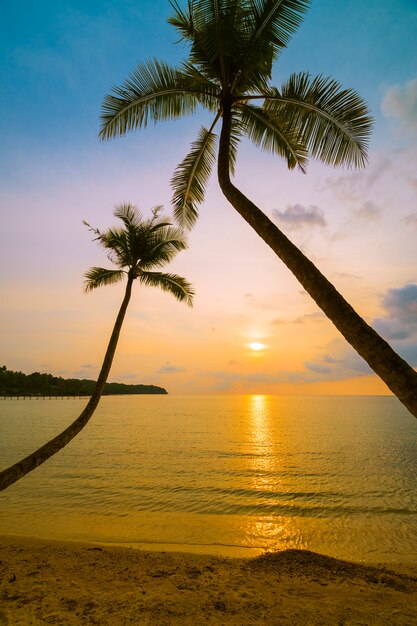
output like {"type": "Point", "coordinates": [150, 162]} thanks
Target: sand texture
{"type": "Point", "coordinates": [50, 582]}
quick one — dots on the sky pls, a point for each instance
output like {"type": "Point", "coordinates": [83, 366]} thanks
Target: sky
{"type": "Point", "coordinates": [58, 61]}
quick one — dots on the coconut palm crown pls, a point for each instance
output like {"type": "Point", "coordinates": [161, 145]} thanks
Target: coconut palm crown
{"type": "Point", "coordinates": [233, 45]}
{"type": "Point", "coordinates": [136, 248]}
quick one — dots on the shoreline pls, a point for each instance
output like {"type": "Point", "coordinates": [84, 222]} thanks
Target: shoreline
{"type": "Point", "coordinates": [64, 582]}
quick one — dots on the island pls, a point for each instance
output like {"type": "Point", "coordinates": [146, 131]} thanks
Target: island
{"type": "Point", "coordinates": [37, 384]}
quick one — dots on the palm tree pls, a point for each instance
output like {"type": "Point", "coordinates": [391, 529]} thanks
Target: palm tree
{"type": "Point", "coordinates": [136, 249]}
{"type": "Point", "coordinates": [232, 45]}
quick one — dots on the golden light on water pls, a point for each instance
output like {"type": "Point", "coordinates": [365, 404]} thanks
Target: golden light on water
{"type": "Point", "coordinates": [256, 346]}
{"type": "Point", "coordinates": [275, 531]}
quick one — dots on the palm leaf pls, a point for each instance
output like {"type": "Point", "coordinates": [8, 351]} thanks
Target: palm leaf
{"type": "Point", "coordinates": [99, 276]}
{"type": "Point", "coordinates": [206, 85]}
{"type": "Point", "coordinates": [182, 20]}
{"type": "Point", "coordinates": [163, 247]}
{"type": "Point", "coordinates": [209, 26]}
{"type": "Point", "coordinates": [154, 91]}
{"type": "Point", "coordinates": [273, 135]}
{"type": "Point", "coordinates": [269, 25]}
{"type": "Point", "coordinates": [333, 122]}
{"type": "Point", "coordinates": [129, 214]}
{"type": "Point", "coordinates": [116, 243]}
{"type": "Point", "coordinates": [178, 286]}
{"type": "Point", "coordinates": [191, 176]}
{"type": "Point", "coordinates": [236, 133]}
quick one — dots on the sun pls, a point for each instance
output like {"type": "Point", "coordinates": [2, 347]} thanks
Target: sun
{"type": "Point", "coordinates": [256, 346]}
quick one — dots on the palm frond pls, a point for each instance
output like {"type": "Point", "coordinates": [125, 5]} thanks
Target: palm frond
{"type": "Point", "coordinates": [191, 176]}
{"type": "Point", "coordinates": [99, 276]}
{"type": "Point", "coordinates": [182, 20]}
{"type": "Point", "coordinates": [154, 91]}
{"type": "Point", "coordinates": [116, 243]}
{"type": "Point", "coordinates": [210, 28]}
{"type": "Point", "coordinates": [236, 133]}
{"type": "Point", "coordinates": [333, 122]}
{"type": "Point", "coordinates": [129, 214]}
{"type": "Point", "coordinates": [178, 286]}
{"type": "Point", "coordinates": [273, 134]}
{"type": "Point", "coordinates": [163, 247]}
{"type": "Point", "coordinates": [210, 88]}
{"type": "Point", "coordinates": [269, 25]}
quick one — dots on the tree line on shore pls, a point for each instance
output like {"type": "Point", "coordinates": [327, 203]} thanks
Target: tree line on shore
{"type": "Point", "coordinates": [36, 384]}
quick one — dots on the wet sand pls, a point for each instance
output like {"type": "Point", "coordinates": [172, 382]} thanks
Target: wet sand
{"type": "Point", "coordinates": [53, 582]}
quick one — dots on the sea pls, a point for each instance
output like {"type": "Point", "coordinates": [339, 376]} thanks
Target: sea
{"type": "Point", "coordinates": [228, 475]}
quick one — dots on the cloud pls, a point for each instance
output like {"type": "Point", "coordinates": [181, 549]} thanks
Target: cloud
{"type": "Point", "coordinates": [317, 367]}
{"type": "Point", "coordinates": [297, 216]}
{"type": "Point", "coordinates": [368, 211]}
{"type": "Point", "coordinates": [400, 320]}
{"type": "Point", "coordinates": [170, 369]}
{"type": "Point", "coordinates": [318, 316]}
{"type": "Point", "coordinates": [340, 361]}
{"type": "Point", "coordinates": [347, 275]}
{"type": "Point", "coordinates": [411, 219]}
{"type": "Point", "coordinates": [85, 371]}
{"type": "Point", "coordinates": [400, 104]}
{"type": "Point", "coordinates": [126, 376]}
{"type": "Point", "coordinates": [352, 187]}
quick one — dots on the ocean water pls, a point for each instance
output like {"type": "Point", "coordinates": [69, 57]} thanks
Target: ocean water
{"type": "Point", "coordinates": [232, 475]}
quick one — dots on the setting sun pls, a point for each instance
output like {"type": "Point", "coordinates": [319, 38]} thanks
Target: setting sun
{"type": "Point", "coordinates": [255, 345]}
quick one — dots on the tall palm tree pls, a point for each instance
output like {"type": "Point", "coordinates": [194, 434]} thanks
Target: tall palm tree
{"type": "Point", "coordinates": [136, 249]}
{"type": "Point", "coordinates": [232, 47]}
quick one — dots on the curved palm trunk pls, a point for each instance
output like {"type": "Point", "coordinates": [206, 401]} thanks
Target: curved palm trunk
{"type": "Point", "coordinates": [390, 367]}
{"type": "Point", "coordinates": [13, 473]}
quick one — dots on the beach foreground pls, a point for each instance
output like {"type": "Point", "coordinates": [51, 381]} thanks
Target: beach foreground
{"type": "Point", "coordinates": [51, 582]}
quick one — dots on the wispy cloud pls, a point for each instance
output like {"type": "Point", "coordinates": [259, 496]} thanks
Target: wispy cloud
{"type": "Point", "coordinates": [297, 216]}
{"type": "Point", "coordinates": [400, 103]}
{"type": "Point", "coordinates": [168, 368]}
{"type": "Point", "coordinates": [411, 219]}
{"type": "Point", "coordinates": [318, 316]}
{"type": "Point", "coordinates": [368, 211]}
{"type": "Point", "coordinates": [125, 376]}
{"type": "Point", "coordinates": [353, 187]}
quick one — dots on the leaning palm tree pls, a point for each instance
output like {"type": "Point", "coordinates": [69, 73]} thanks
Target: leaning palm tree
{"type": "Point", "coordinates": [136, 249]}
{"type": "Point", "coordinates": [232, 45]}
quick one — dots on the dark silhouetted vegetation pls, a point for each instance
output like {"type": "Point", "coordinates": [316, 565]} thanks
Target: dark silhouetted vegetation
{"type": "Point", "coordinates": [36, 384]}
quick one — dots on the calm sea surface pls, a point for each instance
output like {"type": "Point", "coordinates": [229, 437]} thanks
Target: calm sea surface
{"type": "Point", "coordinates": [234, 475]}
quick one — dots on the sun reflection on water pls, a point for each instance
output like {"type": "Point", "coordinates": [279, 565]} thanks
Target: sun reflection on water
{"type": "Point", "coordinates": [267, 471]}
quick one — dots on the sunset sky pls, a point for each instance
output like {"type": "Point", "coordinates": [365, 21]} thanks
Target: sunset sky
{"type": "Point", "coordinates": [58, 61]}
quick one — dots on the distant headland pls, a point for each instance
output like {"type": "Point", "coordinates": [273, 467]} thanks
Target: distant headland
{"type": "Point", "coordinates": [36, 384]}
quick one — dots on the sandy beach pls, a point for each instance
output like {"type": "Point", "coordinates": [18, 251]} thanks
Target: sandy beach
{"type": "Point", "coordinates": [51, 582]}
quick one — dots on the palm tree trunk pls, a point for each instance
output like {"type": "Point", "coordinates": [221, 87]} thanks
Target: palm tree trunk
{"type": "Point", "coordinates": [396, 373]}
{"type": "Point", "coordinates": [13, 473]}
